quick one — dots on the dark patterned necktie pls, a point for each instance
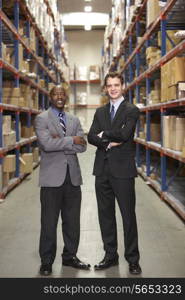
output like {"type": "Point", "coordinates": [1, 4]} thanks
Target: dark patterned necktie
{"type": "Point", "coordinates": [112, 113]}
{"type": "Point", "coordinates": [62, 122]}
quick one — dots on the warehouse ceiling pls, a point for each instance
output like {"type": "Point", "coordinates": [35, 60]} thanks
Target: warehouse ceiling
{"type": "Point", "coordinates": [68, 6]}
{"type": "Point", "coordinates": [75, 17]}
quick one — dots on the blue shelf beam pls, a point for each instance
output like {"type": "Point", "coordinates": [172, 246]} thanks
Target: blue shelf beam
{"type": "Point", "coordinates": [163, 35]}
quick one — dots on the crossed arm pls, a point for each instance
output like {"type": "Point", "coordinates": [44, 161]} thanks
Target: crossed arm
{"type": "Point", "coordinates": [53, 142]}
{"type": "Point", "coordinates": [115, 136]}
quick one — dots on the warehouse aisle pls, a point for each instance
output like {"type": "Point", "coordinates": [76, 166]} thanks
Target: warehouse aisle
{"type": "Point", "coordinates": [161, 232]}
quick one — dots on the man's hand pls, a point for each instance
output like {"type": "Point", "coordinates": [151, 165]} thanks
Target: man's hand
{"type": "Point", "coordinates": [79, 140]}
{"type": "Point", "coordinates": [114, 144]}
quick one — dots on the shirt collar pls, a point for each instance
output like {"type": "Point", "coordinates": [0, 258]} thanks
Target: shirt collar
{"type": "Point", "coordinates": [57, 111]}
{"type": "Point", "coordinates": [117, 103]}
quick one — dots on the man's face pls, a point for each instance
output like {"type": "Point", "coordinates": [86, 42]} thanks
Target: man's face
{"type": "Point", "coordinates": [114, 88]}
{"type": "Point", "coordinates": [58, 98]}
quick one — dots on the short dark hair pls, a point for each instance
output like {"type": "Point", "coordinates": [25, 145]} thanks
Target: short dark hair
{"type": "Point", "coordinates": [113, 75]}
{"type": "Point", "coordinates": [58, 87]}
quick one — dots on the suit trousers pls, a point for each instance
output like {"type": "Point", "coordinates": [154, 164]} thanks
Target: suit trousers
{"type": "Point", "coordinates": [109, 188]}
{"type": "Point", "coordinates": [64, 200]}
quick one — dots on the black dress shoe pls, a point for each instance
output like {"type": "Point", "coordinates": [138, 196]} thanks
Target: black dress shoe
{"type": "Point", "coordinates": [107, 263]}
{"type": "Point", "coordinates": [76, 263]}
{"type": "Point", "coordinates": [135, 269]}
{"type": "Point", "coordinates": [45, 269]}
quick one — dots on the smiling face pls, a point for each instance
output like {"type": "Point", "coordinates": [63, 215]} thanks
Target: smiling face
{"type": "Point", "coordinates": [114, 88]}
{"type": "Point", "coordinates": [58, 97]}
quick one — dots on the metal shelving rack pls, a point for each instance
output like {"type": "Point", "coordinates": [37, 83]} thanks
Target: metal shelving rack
{"type": "Point", "coordinates": [43, 69]}
{"type": "Point", "coordinates": [75, 83]}
{"type": "Point", "coordinates": [134, 59]}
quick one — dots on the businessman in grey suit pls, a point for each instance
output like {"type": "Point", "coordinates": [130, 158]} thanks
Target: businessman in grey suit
{"type": "Point", "coordinates": [60, 138]}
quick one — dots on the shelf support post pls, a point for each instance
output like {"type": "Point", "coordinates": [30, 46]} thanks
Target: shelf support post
{"type": "Point", "coordinates": [163, 172]}
{"type": "Point", "coordinates": [17, 151]}
{"type": "Point", "coordinates": [163, 36]}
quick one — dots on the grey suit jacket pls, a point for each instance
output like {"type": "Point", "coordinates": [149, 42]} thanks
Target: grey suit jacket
{"type": "Point", "coordinates": [57, 152]}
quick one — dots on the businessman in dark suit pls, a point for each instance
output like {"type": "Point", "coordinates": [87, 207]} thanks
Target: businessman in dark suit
{"type": "Point", "coordinates": [60, 138]}
{"type": "Point", "coordinates": [112, 132]}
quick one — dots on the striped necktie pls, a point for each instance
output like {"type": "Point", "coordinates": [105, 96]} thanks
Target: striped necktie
{"type": "Point", "coordinates": [62, 122]}
{"type": "Point", "coordinates": [112, 112]}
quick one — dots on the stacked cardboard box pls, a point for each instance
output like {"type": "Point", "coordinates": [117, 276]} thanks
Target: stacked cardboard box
{"type": "Point", "coordinates": [8, 168]}
{"type": "Point", "coordinates": [9, 135]}
{"type": "Point", "coordinates": [11, 95]}
{"type": "Point", "coordinates": [7, 124]}
{"type": "Point", "coordinates": [173, 132]}
{"type": "Point", "coordinates": [27, 132]}
{"type": "Point", "coordinates": [153, 10]}
{"type": "Point", "coordinates": [26, 163]}
{"type": "Point", "coordinates": [172, 73]}
{"type": "Point", "coordinates": [9, 163]}
{"type": "Point", "coordinates": [180, 90]}
{"type": "Point", "coordinates": [23, 96]}
{"type": "Point", "coordinates": [153, 54]}
{"type": "Point", "coordinates": [155, 94]}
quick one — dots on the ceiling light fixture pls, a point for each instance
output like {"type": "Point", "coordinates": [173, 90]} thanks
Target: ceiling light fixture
{"type": "Point", "coordinates": [87, 27]}
{"type": "Point", "coordinates": [80, 19]}
{"type": "Point", "coordinates": [87, 0]}
{"type": "Point", "coordinates": [88, 8]}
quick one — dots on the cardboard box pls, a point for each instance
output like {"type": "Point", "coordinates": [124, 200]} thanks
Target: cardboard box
{"type": "Point", "coordinates": [26, 163]}
{"type": "Point", "coordinates": [9, 139]}
{"type": "Point", "coordinates": [9, 163]}
{"type": "Point", "coordinates": [7, 124]}
{"type": "Point", "coordinates": [168, 131]}
{"type": "Point", "coordinates": [177, 70]}
{"type": "Point", "coordinates": [171, 93]}
{"type": "Point", "coordinates": [173, 132]}
{"type": "Point", "coordinates": [23, 102]}
{"type": "Point", "coordinates": [180, 90]}
{"type": "Point", "coordinates": [10, 53]}
{"type": "Point", "coordinates": [42, 83]}
{"type": "Point", "coordinates": [25, 90]}
{"type": "Point", "coordinates": [11, 92]}
{"type": "Point", "coordinates": [179, 136]}
{"type": "Point", "coordinates": [12, 100]}
{"type": "Point", "coordinates": [26, 132]}
{"type": "Point", "coordinates": [153, 10]}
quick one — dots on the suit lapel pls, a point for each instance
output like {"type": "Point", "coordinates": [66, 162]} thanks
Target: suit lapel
{"type": "Point", "coordinates": [69, 124]}
{"type": "Point", "coordinates": [107, 115]}
{"type": "Point", "coordinates": [119, 112]}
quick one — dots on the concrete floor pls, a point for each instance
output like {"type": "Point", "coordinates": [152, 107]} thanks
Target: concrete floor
{"type": "Point", "coordinates": [161, 232]}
